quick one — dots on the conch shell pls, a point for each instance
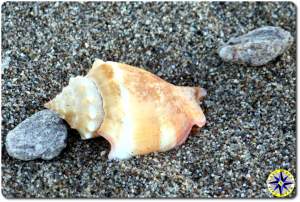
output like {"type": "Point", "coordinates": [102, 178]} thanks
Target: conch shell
{"type": "Point", "coordinates": [136, 111]}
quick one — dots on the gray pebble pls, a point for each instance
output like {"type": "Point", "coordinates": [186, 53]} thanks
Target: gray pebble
{"type": "Point", "coordinates": [42, 135]}
{"type": "Point", "coordinates": [257, 47]}
{"type": "Point", "coordinates": [5, 63]}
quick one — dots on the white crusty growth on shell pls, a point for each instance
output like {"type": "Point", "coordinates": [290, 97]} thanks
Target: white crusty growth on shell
{"type": "Point", "coordinates": [80, 104]}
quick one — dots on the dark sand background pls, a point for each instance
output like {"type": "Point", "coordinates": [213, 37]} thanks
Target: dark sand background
{"type": "Point", "coordinates": [251, 111]}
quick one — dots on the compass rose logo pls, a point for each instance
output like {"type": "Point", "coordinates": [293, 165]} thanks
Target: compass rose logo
{"type": "Point", "coordinates": [281, 183]}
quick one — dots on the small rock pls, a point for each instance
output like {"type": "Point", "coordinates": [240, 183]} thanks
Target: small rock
{"type": "Point", "coordinates": [102, 153]}
{"type": "Point", "coordinates": [257, 47]}
{"type": "Point", "coordinates": [42, 135]}
{"type": "Point", "coordinates": [5, 63]}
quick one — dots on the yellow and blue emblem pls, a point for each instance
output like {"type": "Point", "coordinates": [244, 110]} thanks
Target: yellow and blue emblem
{"type": "Point", "coordinates": [281, 183]}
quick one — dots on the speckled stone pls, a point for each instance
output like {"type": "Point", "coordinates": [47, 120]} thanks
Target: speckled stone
{"type": "Point", "coordinates": [251, 112]}
{"type": "Point", "coordinates": [257, 47]}
{"type": "Point", "coordinates": [43, 135]}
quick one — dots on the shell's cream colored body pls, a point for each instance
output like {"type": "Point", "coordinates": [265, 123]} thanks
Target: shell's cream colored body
{"type": "Point", "coordinates": [136, 111]}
